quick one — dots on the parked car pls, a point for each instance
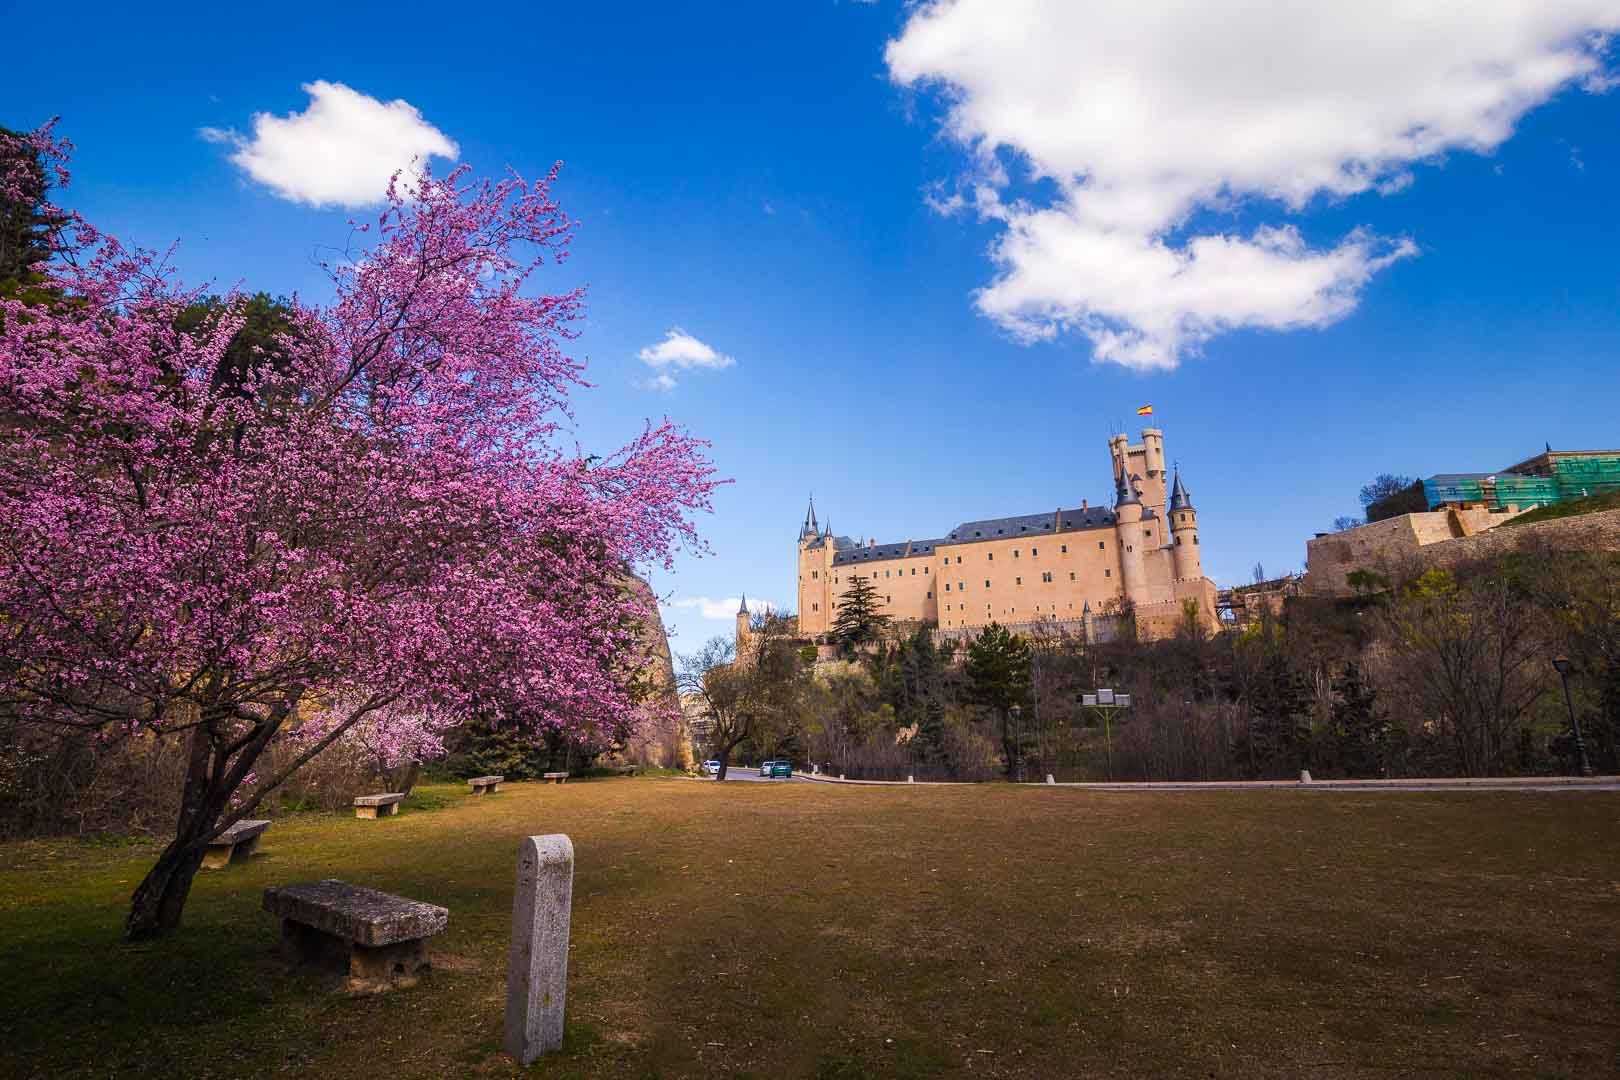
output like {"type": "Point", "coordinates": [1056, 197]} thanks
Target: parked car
{"type": "Point", "coordinates": [782, 769]}
{"type": "Point", "coordinates": [765, 767]}
{"type": "Point", "coordinates": [712, 768]}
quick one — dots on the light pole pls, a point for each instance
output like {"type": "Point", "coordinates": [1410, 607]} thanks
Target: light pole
{"type": "Point", "coordinates": [1562, 664]}
{"type": "Point", "coordinates": [1017, 714]}
{"type": "Point", "coordinates": [1106, 702]}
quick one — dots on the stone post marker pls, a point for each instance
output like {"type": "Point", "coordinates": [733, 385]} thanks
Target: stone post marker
{"type": "Point", "coordinates": [537, 966]}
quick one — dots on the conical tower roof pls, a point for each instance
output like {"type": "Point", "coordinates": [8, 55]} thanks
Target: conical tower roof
{"type": "Point", "coordinates": [1124, 492]}
{"type": "Point", "coordinates": [1179, 499]}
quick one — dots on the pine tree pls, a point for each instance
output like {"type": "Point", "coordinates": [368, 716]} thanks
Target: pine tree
{"type": "Point", "coordinates": [26, 217]}
{"type": "Point", "coordinates": [998, 670]}
{"type": "Point", "coordinates": [859, 620]}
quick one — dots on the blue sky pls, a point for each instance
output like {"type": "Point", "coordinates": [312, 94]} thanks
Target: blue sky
{"type": "Point", "coordinates": [1385, 275]}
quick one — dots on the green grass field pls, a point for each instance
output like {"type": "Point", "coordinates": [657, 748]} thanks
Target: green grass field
{"type": "Point", "coordinates": [808, 930]}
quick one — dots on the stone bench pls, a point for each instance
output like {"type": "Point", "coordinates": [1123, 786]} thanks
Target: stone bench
{"type": "Point", "coordinates": [555, 777]}
{"type": "Point", "coordinates": [374, 939]}
{"type": "Point", "coordinates": [240, 839]}
{"type": "Point", "coordinates": [376, 806]}
{"type": "Point", "coordinates": [486, 785]}
{"type": "Point", "coordinates": [628, 770]}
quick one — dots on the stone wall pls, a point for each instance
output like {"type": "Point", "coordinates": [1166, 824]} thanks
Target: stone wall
{"type": "Point", "coordinates": [1401, 540]}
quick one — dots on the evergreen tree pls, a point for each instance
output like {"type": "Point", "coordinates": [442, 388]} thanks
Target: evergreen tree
{"type": "Point", "coordinates": [859, 620]}
{"type": "Point", "coordinates": [998, 678]}
{"type": "Point", "coordinates": [27, 218]}
{"type": "Point", "coordinates": [1358, 726]}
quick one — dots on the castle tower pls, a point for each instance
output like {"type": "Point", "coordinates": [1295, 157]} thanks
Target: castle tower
{"type": "Point", "coordinates": [1153, 474]}
{"type": "Point", "coordinates": [743, 628]}
{"type": "Point", "coordinates": [1189, 561]}
{"type": "Point", "coordinates": [1128, 533]}
{"type": "Point", "coordinates": [816, 548]}
{"type": "Point", "coordinates": [1143, 464]}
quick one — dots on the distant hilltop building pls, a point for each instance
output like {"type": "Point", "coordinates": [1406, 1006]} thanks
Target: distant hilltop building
{"type": "Point", "coordinates": [1072, 567]}
{"type": "Point", "coordinates": [1461, 507]}
{"type": "Point", "coordinates": [1552, 476]}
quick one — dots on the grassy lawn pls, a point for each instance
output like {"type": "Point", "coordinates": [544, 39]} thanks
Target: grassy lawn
{"type": "Point", "coordinates": [808, 930]}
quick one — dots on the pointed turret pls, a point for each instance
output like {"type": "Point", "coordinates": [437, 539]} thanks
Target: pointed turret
{"type": "Point", "coordinates": [1186, 560]}
{"type": "Point", "coordinates": [809, 530]}
{"type": "Point", "coordinates": [1124, 492]}
{"type": "Point", "coordinates": [742, 609]}
{"type": "Point", "coordinates": [1178, 495]}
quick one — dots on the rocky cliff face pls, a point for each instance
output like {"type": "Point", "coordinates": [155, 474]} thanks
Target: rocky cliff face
{"type": "Point", "coordinates": [666, 743]}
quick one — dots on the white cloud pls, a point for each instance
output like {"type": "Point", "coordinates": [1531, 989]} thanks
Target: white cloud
{"type": "Point", "coordinates": [679, 350]}
{"type": "Point", "coordinates": [1141, 116]}
{"type": "Point", "coordinates": [724, 608]}
{"type": "Point", "coordinates": [341, 151]}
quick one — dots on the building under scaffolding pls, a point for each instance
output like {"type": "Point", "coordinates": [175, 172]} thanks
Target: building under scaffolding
{"type": "Point", "coordinates": [1552, 476]}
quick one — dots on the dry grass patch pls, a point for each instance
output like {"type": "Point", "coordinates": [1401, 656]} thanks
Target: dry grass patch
{"type": "Point", "coordinates": [807, 930]}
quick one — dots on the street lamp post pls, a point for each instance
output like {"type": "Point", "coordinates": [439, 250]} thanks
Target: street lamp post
{"type": "Point", "coordinates": [1562, 664]}
{"type": "Point", "coordinates": [1106, 702]}
{"type": "Point", "coordinates": [1017, 714]}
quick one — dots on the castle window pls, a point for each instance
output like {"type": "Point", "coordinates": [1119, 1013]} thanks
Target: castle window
{"type": "Point", "coordinates": [814, 574]}
{"type": "Point", "coordinates": [1099, 545]}
{"type": "Point", "coordinates": [1195, 539]}
{"type": "Point", "coordinates": [959, 559]}
{"type": "Point", "coordinates": [1129, 547]}
{"type": "Point", "coordinates": [1034, 552]}
{"type": "Point", "coordinates": [1047, 576]}
{"type": "Point", "coordinates": [1018, 581]}
{"type": "Point", "coordinates": [990, 555]}
{"type": "Point", "coordinates": [987, 583]}
{"type": "Point", "coordinates": [913, 571]}
{"type": "Point", "coordinates": [888, 599]}
{"type": "Point", "coordinates": [1064, 550]}
{"type": "Point", "coordinates": [947, 586]}
{"type": "Point", "coordinates": [1108, 573]}
{"type": "Point", "coordinates": [1071, 575]}
{"type": "Point", "coordinates": [815, 607]}
{"type": "Point", "coordinates": [1178, 541]}
{"type": "Point", "coordinates": [930, 594]}
{"type": "Point", "coordinates": [1015, 553]}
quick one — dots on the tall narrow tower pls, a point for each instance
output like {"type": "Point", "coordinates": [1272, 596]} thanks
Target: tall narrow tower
{"type": "Point", "coordinates": [1188, 560]}
{"type": "Point", "coordinates": [743, 628]}
{"type": "Point", "coordinates": [1128, 534]}
{"type": "Point", "coordinates": [816, 548]}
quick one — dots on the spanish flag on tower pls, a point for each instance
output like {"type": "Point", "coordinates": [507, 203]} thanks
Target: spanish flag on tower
{"type": "Point", "coordinates": [1146, 410]}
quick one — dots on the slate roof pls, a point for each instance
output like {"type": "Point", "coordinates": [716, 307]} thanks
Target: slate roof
{"type": "Point", "coordinates": [1093, 517]}
{"type": "Point", "coordinates": [885, 551]}
{"type": "Point", "coordinates": [1004, 528]}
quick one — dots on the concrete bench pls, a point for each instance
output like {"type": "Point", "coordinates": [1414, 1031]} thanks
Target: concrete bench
{"type": "Point", "coordinates": [556, 777]}
{"type": "Point", "coordinates": [376, 806]}
{"type": "Point", "coordinates": [240, 839]}
{"type": "Point", "coordinates": [628, 770]}
{"type": "Point", "coordinates": [376, 940]}
{"type": "Point", "coordinates": [486, 785]}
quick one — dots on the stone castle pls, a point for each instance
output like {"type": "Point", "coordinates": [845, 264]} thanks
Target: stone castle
{"type": "Point", "coordinates": [1074, 568]}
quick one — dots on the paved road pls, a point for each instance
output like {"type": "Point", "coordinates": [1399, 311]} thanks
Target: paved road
{"type": "Point", "coordinates": [751, 772]}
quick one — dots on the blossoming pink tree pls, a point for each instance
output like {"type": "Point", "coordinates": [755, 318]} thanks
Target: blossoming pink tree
{"type": "Point", "coordinates": [382, 516]}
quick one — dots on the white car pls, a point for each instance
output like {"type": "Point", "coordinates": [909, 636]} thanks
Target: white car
{"type": "Point", "coordinates": [712, 768]}
{"type": "Point", "coordinates": [765, 767]}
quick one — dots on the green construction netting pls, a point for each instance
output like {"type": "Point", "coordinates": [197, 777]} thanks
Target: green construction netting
{"type": "Point", "coordinates": [1572, 478]}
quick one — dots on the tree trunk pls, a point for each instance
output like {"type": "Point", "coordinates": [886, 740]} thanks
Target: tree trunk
{"type": "Point", "coordinates": [159, 899]}
{"type": "Point", "coordinates": [407, 776]}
